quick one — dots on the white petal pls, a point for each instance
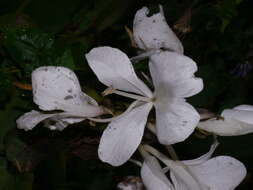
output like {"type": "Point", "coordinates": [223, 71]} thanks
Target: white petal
{"type": "Point", "coordinates": [241, 114]}
{"type": "Point", "coordinates": [123, 135]}
{"type": "Point", "coordinates": [178, 183]}
{"type": "Point", "coordinates": [153, 32]}
{"type": "Point", "coordinates": [183, 179]}
{"type": "Point", "coordinates": [114, 69]}
{"type": "Point", "coordinates": [59, 123]}
{"type": "Point", "coordinates": [152, 175]}
{"type": "Point", "coordinates": [220, 173]}
{"type": "Point", "coordinates": [173, 75]}
{"type": "Point", "coordinates": [202, 158]}
{"type": "Point", "coordinates": [244, 107]}
{"type": "Point", "coordinates": [60, 120]}
{"type": "Point", "coordinates": [177, 167]}
{"type": "Point", "coordinates": [226, 127]}
{"type": "Point", "coordinates": [89, 99]}
{"type": "Point", "coordinates": [175, 121]}
{"type": "Point", "coordinates": [30, 119]}
{"type": "Point", "coordinates": [57, 88]}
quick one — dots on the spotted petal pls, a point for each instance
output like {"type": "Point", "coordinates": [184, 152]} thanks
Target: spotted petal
{"type": "Point", "coordinates": [123, 135]}
{"type": "Point", "coordinates": [57, 88]}
{"type": "Point", "coordinates": [153, 32]}
{"type": "Point", "coordinates": [114, 69]}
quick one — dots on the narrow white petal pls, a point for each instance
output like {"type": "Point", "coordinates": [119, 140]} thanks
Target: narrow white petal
{"type": "Point", "coordinates": [242, 114]}
{"type": "Point", "coordinates": [226, 127]}
{"type": "Point", "coordinates": [114, 69]}
{"type": "Point", "coordinates": [55, 121]}
{"type": "Point", "coordinates": [178, 168]}
{"type": "Point", "coordinates": [173, 75]}
{"type": "Point", "coordinates": [202, 158]}
{"type": "Point", "coordinates": [153, 177]}
{"type": "Point", "coordinates": [244, 107]}
{"type": "Point", "coordinates": [30, 119]}
{"type": "Point", "coordinates": [178, 183]}
{"type": "Point", "coordinates": [123, 135]}
{"type": "Point", "coordinates": [61, 121]}
{"type": "Point", "coordinates": [175, 121]}
{"type": "Point", "coordinates": [220, 173]}
{"type": "Point", "coordinates": [57, 88]}
{"type": "Point", "coordinates": [153, 32]}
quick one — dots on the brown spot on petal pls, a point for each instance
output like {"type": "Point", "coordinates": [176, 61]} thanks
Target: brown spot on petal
{"type": "Point", "coordinates": [68, 97]}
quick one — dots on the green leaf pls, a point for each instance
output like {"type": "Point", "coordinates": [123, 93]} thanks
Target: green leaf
{"type": "Point", "coordinates": [66, 60]}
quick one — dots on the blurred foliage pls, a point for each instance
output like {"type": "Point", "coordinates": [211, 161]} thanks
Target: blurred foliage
{"type": "Point", "coordinates": [218, 35]}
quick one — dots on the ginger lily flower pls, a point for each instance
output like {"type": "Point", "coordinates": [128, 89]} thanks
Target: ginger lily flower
{"type": "Point", "coordinates": [173, 77]}
{"type": "Point", "coordinates": [203, 173]}
{"type": "Point", "coordinates": [58, 89]}
{"type": "Point", "coordinates": [236, 121]}
{"type": "Point", "coordinates": [152, 33]}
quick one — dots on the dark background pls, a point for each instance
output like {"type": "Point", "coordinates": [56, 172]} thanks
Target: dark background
{"type": "Point", "coordinates": [217, 34]}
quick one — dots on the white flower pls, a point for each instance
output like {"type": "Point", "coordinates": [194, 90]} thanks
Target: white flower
{"type": "Point", "coordinates": [57, 88]}
{"type": "Point", "coordinates": [236, 121]}
{"type": "Point", "coordinates": [203, 173]}
{"type": "Point", "coordinates": [152, 33]}
{"type": "Point", "coordinates": [173, 77]}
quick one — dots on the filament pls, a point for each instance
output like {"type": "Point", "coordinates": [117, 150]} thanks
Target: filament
{"type": "Point", "coordinates": [106, 120]}
{"type": "Point", "coordinates": [133, 96]}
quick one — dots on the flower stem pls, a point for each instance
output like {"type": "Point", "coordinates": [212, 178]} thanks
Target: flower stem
{"type": "Point", "coordinates": [172, 152]}
{"type": "Point", "coordinates": [142, 151]}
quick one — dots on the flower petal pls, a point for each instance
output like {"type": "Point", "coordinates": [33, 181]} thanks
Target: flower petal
{"type": "Point", "coordinates": [57, 88]}
{"type": "Point", "coordinates": [173, 75]}
{"type": "Point", "coordinates": [30, 119]}
{"type": "Point", "coordinates": [175, 121]}
{"type": "Point", "coordinates": [59, 123]}
{"type": "Point", "coordinates": [219, 173]}
{"type": "Point", "coordinates": [178, 183]}
{"type": "Point", "coordinates": [244, 107]}
{"type": "Point", "coordinates": [202, 158]}
{"type": "Point", "coordinates": [123, 135]}
{"type": "Point", "coordinates": [55, 121]}
{"type": "Point", "coordinates": [114, 69]}
{"type": "Point", "coordinates": [226, 127]}
{"type": "Point", "coordinates": [153, 32]}
{"type": "Point", "coordinates": [177, 167]}
{"type": "Point", "coordinates": [240, 113]}
{"type": "Point", "coordinates": [152, 175]}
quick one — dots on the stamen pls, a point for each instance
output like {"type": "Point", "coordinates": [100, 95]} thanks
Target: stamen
{"type": "Point", "coordinates": [133, 96]}
{"type": "Point", "coordinates": [107, 120]}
